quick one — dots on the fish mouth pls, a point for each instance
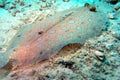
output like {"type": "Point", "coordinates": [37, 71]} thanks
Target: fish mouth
{"type": "Point", "coordinates": [5, 63]}
{"type": "Point", "coordinates": [5, 67]}
{"type": "Point", "coordinates": [3, 60]}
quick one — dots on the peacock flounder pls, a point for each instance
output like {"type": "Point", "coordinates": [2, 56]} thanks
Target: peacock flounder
{"type": "Point", "coordinates": [38, 41]}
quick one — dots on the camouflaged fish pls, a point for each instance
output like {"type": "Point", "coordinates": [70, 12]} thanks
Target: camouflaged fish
{"type": "Point", "coordinates": [41, 40]}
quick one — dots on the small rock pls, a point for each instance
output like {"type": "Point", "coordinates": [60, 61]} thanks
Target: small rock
{"type": "Point", "coordinates": [117, 6]}
{"type": "Point", "coordinates": [86, 5]}
{"type": "Point", "coordinates": [31, 73]}
{"type": "Point", "coordinates": [13, 74]}
{"type": "Point", "coordinates": [22, 3]}
{"type": "Point", "coordinates": [48, 4]}
{"type": "Point", "coordinates": [92, 8]}
{"type": "Point", "coordinates": [67, 64]}
{"type": "Point", "coordinates": [15, 12]}
{"type": "Point", "coordinates": [66, 0]}
{"type": "Point", "coordinates": [115, 31]}
{"type": "Point", "coordinates": [100, 56]}
{"type": "Point", "coordinates": [111, 16]}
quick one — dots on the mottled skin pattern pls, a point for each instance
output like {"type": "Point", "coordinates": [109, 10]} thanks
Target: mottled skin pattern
{"type": "Point", "coordinates": [38, 41]}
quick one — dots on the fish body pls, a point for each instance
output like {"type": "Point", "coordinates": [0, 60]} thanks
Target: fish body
{"type": "Point", "coordinates": [41, 40]}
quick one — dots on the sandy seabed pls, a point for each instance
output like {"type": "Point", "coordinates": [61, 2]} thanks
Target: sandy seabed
{"type": "Point", "coordinates": [97, 59]}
